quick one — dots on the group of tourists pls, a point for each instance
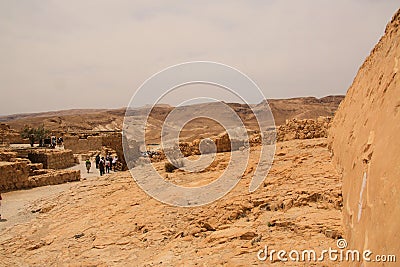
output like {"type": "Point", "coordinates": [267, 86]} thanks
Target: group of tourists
{"type": "Point", "coordinates": [105, 165]}
{"type": "Point", "coordinates": [50, 141]}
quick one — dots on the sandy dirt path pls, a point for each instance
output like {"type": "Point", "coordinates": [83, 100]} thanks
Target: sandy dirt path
{"type": "Point", "coordinates": [15, 204]}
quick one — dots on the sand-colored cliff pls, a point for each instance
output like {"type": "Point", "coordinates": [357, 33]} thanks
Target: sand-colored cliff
{"type": "Point", "coordinates": [365, 142]}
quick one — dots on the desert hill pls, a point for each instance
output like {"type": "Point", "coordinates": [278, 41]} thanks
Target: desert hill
{"type": "Point", "coordinates": [102, 119]}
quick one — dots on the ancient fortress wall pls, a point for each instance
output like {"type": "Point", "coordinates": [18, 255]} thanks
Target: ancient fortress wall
{"type": "Point", "coordinates": [54, 177]}
{"type": "Point", "coordinates": [14, 175]}
{"type": "Point", "coordinates": [364, 138]}
{"type": "Point", "coordinates": [7, 155]}
{"type": "Point", "coordinates": [104, 142]}
{"type": "Point", "coordinates": [20, 175]}
{"type": "Point", "coordinates": [303, 129]}
{"type": "Point", "coordinates": [10, 136]}
{"type": "Point", "coordinates": [52, 159]}
{"type": "Point", "coordinates": [79, 145]}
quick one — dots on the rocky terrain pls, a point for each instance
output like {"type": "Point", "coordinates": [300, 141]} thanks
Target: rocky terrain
{"type": "Point", "coordinates": [111, 221]}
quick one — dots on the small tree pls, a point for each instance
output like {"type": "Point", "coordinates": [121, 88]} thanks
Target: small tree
{"type": "Point", "coordinates": [35, 134]}
{"type": "Point", "coordinates": [40, 134]}
{"type": "Point", "coordinates": [29, 132]}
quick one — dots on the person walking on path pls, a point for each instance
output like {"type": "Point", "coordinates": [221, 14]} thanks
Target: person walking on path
{"type": "Point", "coordinates": [0, 206]}
{"type": "Point", "coordinates": [114, 162]}
{"type": "Point", "coordinates": [107, 165]}
{"type": "Point", "coordinates": [101, 166]}
{"type": "Point", "coordinates": [88, 165]}
{"type": "Point", "coordinates": [97, 161]}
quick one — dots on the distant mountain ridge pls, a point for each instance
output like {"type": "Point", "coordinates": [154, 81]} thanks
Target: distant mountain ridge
{"type": "Point", "coordinates": [112, 119]}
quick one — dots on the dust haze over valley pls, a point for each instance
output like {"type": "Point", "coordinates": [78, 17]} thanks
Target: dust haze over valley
{"type": "Point", "coordinates": [92, 184]}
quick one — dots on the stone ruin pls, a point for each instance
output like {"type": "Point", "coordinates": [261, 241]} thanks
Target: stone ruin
{"type": "Point", "coordinates": [83, 144]}
{"type": "Point", "coordinates": [10, 136]}
{"type": "Point", "coordinates": [90, 144]}
{"type": "Point", "coordinates": [52, 158]}
{"type": "Point", "coordinates": [19, 172]}
{"type": "Point", "coordinates": [294, 129]}
{"type": "Point", "coordinates": [222, 142]}
{"type": "Point", "coordinates": [304, 129]}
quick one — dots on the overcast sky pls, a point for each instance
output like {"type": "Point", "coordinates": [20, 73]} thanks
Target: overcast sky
{"type": "Point", "coordinates": [94, 54]}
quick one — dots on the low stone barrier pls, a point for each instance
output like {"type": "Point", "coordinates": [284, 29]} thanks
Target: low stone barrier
{"type": "Point", "coordinates": [52, 159]}
{"type": "Point", "coordinates": [20, 175]}
{"type": "Point", "coordinates": [54, 177]}
{"type": "Point", "coordinates": [34, 167]}
{"type": "Point", "coordinates": [13, 175]}
{"type": "Point", "coordinates": [7, 155]}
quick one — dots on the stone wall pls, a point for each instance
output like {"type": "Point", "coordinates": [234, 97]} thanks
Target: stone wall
{"type": "Point", "coordinates": [225, 144]}
{"type": "Point", "coordinates": [20, 175]}
{"type": "Point", "coordinates": [34, 168]}
{"type": "Point", "coordinates": [222, 144]}
{"type": "Point", "coordinates": [10, 136]}
{"type": "Point", "coordinates": [7, 155]}
{"type": "Point", "coordinates": [51, 158]}
{"type": "Point", "coordinates": [53, 177]}
{"type": "Point", "coordinates": [303, 129]}
{"type": "Point", "coordinates": [14, 175]}
{"type": "Point", "coordinates": [4, 127]}
{"type": "Point", "coordinates": [83, 145]}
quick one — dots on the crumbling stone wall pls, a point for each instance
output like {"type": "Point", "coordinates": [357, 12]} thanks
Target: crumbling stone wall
{"type": "Point", "coordinates": [20, 175]}
{"type": "Point", "coordinates": [303, 129]}
{"type": "Point", "coordinates": [4, 127]}
{"type": "Point", "coordinates": [34, 168]}
{"type": "Point", "coordinates": [53, 177]}
{"type": "Point", "coordinates": [14, 175]}
{"type": "Point", "coordinates": [101, 142]}
{"type": "Point", "coordinates": [225, 144]}
{"type": "Point", "coordinates": [10, 136]}
{"type": "Point", "coordinates": [52, 159]}
{"type": "Point", "coordinates": [83, 145]}
{"type": "Point", "coordinates": [7, 155]}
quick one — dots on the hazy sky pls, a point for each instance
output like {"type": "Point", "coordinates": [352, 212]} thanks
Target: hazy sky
{"type": "Point", "coordinates": [95, 54]}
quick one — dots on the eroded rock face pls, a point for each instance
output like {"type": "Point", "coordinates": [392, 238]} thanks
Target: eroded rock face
{"type": "Point", "coordinates": [364, 139]}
